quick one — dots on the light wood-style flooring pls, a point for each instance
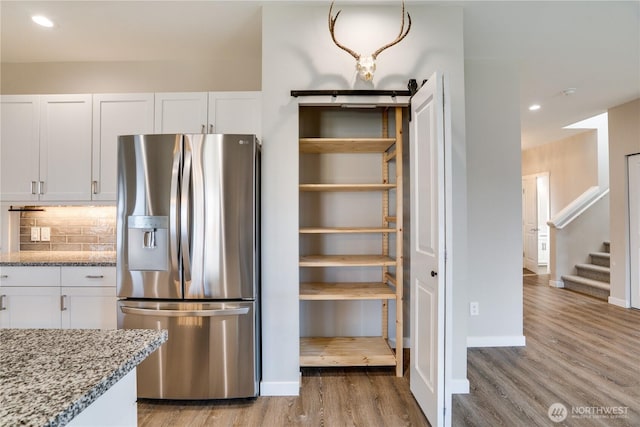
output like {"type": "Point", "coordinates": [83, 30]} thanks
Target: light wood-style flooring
{"type": "Point", "coordinates": [581, 352]}
{"type": "Point", "coordinates": [328, 397]}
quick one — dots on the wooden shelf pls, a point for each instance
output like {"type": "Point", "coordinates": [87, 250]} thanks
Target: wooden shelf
{"type": "Point", "coordinates": [389, 122]}
{"type": "Point", "coordinates": [346, 261]}
{"type": "Point", "coordinates": [345, 291]}
{"type": "Point", "coordinates": [345, 351]}
{"type": "Point", "coordinates": [345, 230]}
{"type": "Point", "coordinates": [346, 187]}
{"type": "Point", "coordinates": [345, 145]}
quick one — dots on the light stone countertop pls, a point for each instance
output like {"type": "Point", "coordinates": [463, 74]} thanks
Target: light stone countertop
{"type": "Point", "coordinates": [48, 376]}
{"type": "Point", "coordinates": [62, 258]}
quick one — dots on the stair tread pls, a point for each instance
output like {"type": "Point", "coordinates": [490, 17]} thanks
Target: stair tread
{"type": "Point", "coordinates": [594, 267]}
{"type": "Point", "coordinates": [588, 282]}
{"type": "Point", "coordinates": [600, 254]}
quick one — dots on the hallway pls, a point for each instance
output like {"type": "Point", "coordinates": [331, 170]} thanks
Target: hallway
{"type": "Point", "coordinates": [581, 352]}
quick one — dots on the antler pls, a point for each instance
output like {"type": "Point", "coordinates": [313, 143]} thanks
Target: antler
{"type": "Point", "coordinates": [332, 25]}
{"type": "Point", "coordinates": [397, 40]}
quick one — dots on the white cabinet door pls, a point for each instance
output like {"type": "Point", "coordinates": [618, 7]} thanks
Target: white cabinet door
{"type": "Point", "coordinates": [19, 147]}
{"type": "Point", "coordinates": [89, 308]}
{"type": "Point", "coordinates": [235, 112]}
{"type": "Point", "coordinates": [89, 297]}
{"type": "Point", "coordinates": [181, 112]}
{"type": "Point", "coordinates": [29, 307]}
{"type": "Point", "coordinates": [65, 147]}
{"type": "Point", "coordinates": [114, 115]}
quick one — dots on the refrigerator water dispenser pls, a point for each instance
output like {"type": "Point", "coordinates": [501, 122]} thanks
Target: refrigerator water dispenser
{"type": "Point", "coordinates": [148, 243]}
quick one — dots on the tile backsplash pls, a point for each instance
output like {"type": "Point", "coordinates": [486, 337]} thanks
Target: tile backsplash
{"type": "Point", "coordinates": [73, 228]}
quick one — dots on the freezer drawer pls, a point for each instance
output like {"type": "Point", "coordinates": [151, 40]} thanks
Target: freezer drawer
{"type": "Point", "coordinates": [211, 352]}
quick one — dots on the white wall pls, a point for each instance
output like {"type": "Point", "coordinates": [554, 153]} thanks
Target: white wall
{"type": "Point", "coordinates": [624, 139]}
{"type": "Point", "coordinates": [572, 164]}
{"type": "Point", "coordinates": [299, 54]}
{"type": "Point", "coordinates": [139, 76]}
{"type": "Point", "coordinates": [494, 202]}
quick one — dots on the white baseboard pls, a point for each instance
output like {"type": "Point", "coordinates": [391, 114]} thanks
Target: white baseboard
{"type": "Point", "coordinates": [556, 283]}
{"type": "Point", "coordinates": [279, 388]}
{"type": "Point", "coordinates": [619, 302]}
{"type": "Point", "coordinates": [498, 341]}
{"type": "Point", "coordinates": [458, 386]}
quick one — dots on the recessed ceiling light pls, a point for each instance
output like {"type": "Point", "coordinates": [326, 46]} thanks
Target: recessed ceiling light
{"type": "Point", "coordinates": [534, 107]}
{"type": "Point", "coordinates": [42, 20]}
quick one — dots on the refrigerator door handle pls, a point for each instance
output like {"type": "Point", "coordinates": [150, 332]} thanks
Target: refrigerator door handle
{"type": "Point", "coordinates": [174, 217]}
{"type": "Point", "coordinates": [185, 216]}
{"type": "Point", "coordinates": [185, 313]}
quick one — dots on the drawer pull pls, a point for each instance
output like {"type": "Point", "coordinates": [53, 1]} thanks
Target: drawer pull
{"type": "Point", "coordinates": [3, 302]}
{"type": "Point", "coordinates": [99, 276]}
{"type": "Point", "coordinates": [4, 276]}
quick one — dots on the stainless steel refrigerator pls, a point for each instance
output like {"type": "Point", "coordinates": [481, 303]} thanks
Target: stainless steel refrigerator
{"type": "Point", "coordinates": [188, 261]}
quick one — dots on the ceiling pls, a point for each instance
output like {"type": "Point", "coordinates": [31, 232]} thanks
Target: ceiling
{"type": "Point", "coordinates": [591, 46]}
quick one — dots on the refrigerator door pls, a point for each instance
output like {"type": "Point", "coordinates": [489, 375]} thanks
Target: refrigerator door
{"type": "Point", "coordinates": [211, 352]}
{"type": "Point", "coordinates": [219, 198]}
{"type": "Point", "coordinates": [148, 257]}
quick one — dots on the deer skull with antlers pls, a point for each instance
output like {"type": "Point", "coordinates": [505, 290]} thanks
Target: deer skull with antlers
{"type": "Point", "coordinates": [366, 65]}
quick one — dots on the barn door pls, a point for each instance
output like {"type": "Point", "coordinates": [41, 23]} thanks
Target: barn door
{"type": "Point", "coordinates": [427, 249]}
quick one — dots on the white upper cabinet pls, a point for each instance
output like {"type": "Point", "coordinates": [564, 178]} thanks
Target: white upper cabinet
{"type": "Point", "coordinates": [115, 115]}
{"type": "Point", "coordinates": [19, 147]}
{"type": "Point", "coordinates": [46, 147]}
{"type": "Point", "coordinates": [65, 147]}
{"type": "Point", "coordinates": [213, 112]}
{"type": "Point", "coordinates": [235, 112]}
{"type": "Point", "coordinates": [181, 112]}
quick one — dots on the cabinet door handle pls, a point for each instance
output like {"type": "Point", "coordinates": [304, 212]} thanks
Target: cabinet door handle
{"type": "Point", "coordinates": [33, 188]}
{"type": "Point", "coordinates": [94, 187]}
{"type": "Point", "coordinates": [3, 302]}
{"type": "Point", "coordinates": [210, 128]}
{"type": "Point", "coordinates": [98, 276]}
{"type": "Point", "coordinates": [204, 129]}
{"type": "Point", "coordinates": [63, 303]}
{"type": "Point", "coordinates": [4, 276]}
{"type": "Point", "coordinates": [40, 187]}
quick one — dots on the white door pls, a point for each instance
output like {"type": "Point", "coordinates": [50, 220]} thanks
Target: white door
{"type": "Point", "coordinates": [530, 222]}
{"type": "Point", "coordinates": [89, 308]}
{"type": "Point", "coordinates": [181, 112]}
{"type": "Point", "coordinates": [30, 307]}
{"type": "Point", "coordinates": [235, 112]}
{"type": "Point", "coordinates": [114, 115]}
{"type": "Point", "coordinates": [634, 228]}
{"type": "Point", "coordinates": [427, 250]}
{"type": "Point", "coordinates": [65, 147]}
{"type": "Point", "coordinates": [19, 147]}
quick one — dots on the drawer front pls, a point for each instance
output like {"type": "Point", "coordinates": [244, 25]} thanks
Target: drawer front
{"type": "Point", "coordinates": [89, 276]}
{"type": "Point", "coordinates": [29, 276]}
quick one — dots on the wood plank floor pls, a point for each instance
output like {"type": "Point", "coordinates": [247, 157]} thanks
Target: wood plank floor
{"type": "Point", "coordinates": [581, 352]}
{"type": "Point", "coordinates": [328, 397]}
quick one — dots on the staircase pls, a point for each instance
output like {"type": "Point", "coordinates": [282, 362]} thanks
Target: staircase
{"type": "Point", "coordinates": [592, 279]}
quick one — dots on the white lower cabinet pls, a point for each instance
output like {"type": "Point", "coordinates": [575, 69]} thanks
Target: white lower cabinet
{"type": "Point", "coordinates": [58, 297]}
{"type": "Point", "coordinates": [30, 307]}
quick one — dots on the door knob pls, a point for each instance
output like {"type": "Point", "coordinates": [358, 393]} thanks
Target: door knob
{"type": "Point", "coordinates": [433, 273]}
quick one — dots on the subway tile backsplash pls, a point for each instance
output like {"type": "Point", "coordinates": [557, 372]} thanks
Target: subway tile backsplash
{"type": "Point", "coordinates": [73, 228]}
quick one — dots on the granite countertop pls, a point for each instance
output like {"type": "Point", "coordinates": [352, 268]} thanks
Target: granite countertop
{"type": "Point", "coordinates": [63, 258]}
{"type": "Point", "coordinates": [48, 376]}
